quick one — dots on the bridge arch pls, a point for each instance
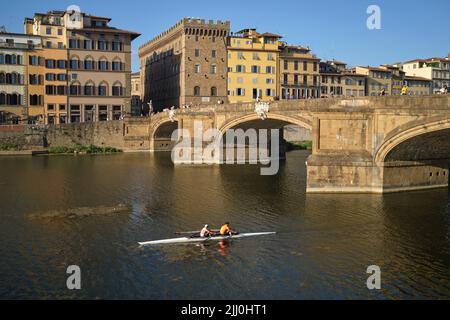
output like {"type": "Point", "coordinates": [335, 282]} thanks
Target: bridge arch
{"type": "Point", "coordinates": [281, 119]}
{"type": "Point", "coordinates": [416, 142]}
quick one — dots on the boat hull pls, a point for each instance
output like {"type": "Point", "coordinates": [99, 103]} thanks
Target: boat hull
{"type": "Point", "coordinates": [202, 240]}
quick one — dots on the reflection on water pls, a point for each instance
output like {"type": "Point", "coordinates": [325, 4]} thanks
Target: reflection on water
{"type": "Point", "coordinates": [322, 250]}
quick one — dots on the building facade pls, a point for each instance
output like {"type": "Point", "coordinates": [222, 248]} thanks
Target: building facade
{"type": "Point", "coordinates": [253, 66]}
{"type": "Point", "coordinates": [186, 65]}
{"type": "Point", "coordinates": [331, 84]}
{"type": "Point", "coordinates": [87, 67]}
{"type": "Point", "coordinates": [299, 73]}
{"type": "Point", "coordinates": [14, 54]}
{"type": "Point", "coordinates": [378, 80]}
{"type": "Point", "coordinates": [418, 86]}
{"type": "Point", "coordinates": [136, 104]}
{"type": "Point", "coordinates": [354, 85]}
{"type": "Point", "coordinates": [435, 69]}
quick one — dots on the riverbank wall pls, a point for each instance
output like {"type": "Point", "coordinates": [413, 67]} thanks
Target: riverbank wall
{"type": "Point", "coordinates": [131, 134]}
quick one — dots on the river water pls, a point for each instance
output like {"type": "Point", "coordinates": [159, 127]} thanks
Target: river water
{"type": "Point", "coordinates": [323, 248]}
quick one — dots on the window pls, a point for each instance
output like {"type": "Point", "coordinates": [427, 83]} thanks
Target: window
{"type": "Point", "coordinates": [117, 65]}
{"type": "Point", "coordinates": [315, 66]}
{"type": "Point", "coordinates": [50, 107]}
{"type": "Point", "coordinates": [240, 92]}
{"type": "Point", "coordinates": [103, 65]}
{"type": "Point", "coordinates": [117, 46]}
{"type": "Point", "coordinates": [270, 81]}
{"type": "Point", "coordinates": [285, 78]}
{"type": "Point", "coordinates": [50, 77]}
{"type": "Point", "coordinates": [62, 107]}
{"type": "Point", "coordinates": [73, 44]}
{"type": "Point", "coordinates": [305, 66]}
{"type": "Point", "coordinates": [102, 45]}
{"type": "Point", "coordinates": [61, 64]}
{"type": "Point", "coordinates": [88, 64]}
{"type": "Point", "coordinates": [117, 90]}
{"type": "Point", "coordinates": [50, 64]}
{"type": "Point", "coordinates": [48, 44]}
{"type": "Point", "coordinates": [213, 92]}
{"type": "Point", "coordinates": [214, 69]}
{"type": "Point", "coordinates": [296, 79]}
{"type": "Point", "coordinates": [240, 56]}
{"type": "Point", "coordinates": [270, 69]}
{"type": "Point", "coordinates": [255, 69]}
{"type": "Point", "coordinates": [197, 91]}
{"type": "Point", "coordinates": [48, 31]}
{"type": "Point", "coordinates": [62, 77]}
{"type": "Point", "coordinates": [60, 45]}
{"type": "Point", "coordinates": [240, 68]}
{"type": "Point", "coordinates": [89, 89]}
{"type": "Point", "coordinates": [240, 80]}
{"type": "Point", "coordinates": [88, 45]}
{"type": "Point", "coordinates": [270, 92]}
{"type": "Point", "coordinates": [213, 53]}
{"type": "Point", "coordinates": [73, 64]}
{"type": "Point", "coordinates": [255, 56]}
{"type": "Point", "coordinates": [60, 32]}
{"type": "Point", "coordinates": [270, 56]}
{"type": "Point", "coordinates": [102, 90]}
{"type": "Point", "coordinates": [255, 80]}
{"type": "Point", "coordinates": [197, 53]}
{"type": "Point", "coordinates": [197, 68]}
{"type": "Point", "coordinates": [286, 64]}
{"type": "Point", "coordinates": [61, 90]}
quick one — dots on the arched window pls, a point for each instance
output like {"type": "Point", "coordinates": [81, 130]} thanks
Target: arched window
{"type": "Point", "coordinates": [2, 58]}
{"type": "Point", "coordinates": [197, 91]}
{"type": "Point", "coordinates": [89, 63]}
{"type": "Point", "coordinates": [74, 63]}
{"type": "Point", "coordinates": [8, 59]}
{"type": "Point", "coordinates": [213, 69]}
{"type": "Point", "coordinates": [2, 77]}
{"type": "Point", "coordinates": [117, 64]}
{"type": "Point", "coordinates": [103, 64]}
{"type": "Point", "coordinates": [89, 88]}
{"type": "Point", "coordinates": [103, 89]}
{"type": "Point", "coordinates": [14, 79]}
{"type": "Point", "coordinates": [213, 92]}
{"type": "Point", "coordinates": [117, 89]}
{"type": "Point", "coordinates": [75, 88]}
{"type": "Point", "coordinates": [8, 78]}
{"type": "Point", "coordinates": [2, 98]}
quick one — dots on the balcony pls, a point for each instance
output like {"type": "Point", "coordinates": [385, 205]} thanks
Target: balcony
{"type": "Point", "coordinates": [20, 46]}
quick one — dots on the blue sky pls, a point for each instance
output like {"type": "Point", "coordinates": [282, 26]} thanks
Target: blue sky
{"type": "Point", "coordinates": [333, 29]}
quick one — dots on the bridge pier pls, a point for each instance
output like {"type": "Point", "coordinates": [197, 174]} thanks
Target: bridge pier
{"type": "Point", "coordinates": [346, 176]}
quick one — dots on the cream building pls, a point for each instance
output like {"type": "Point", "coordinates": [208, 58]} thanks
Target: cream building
{"type": "Point", "coordinates": [435, 69]}
{"type": "Point", "coordinates": [14, 101]}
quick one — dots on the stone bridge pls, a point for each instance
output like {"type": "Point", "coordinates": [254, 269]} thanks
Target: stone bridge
{"type": "Point", "coordinates": [367, 145]}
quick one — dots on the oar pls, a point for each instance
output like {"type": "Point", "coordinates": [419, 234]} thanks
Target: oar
{"type": "Point", "coordinates": [192, 232]}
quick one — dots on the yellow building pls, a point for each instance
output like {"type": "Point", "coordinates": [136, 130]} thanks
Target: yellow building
{"type": "Point", "coordinates": [253, 66]}
{"type": "Point", "coordinates": [299, 73]}
{"type": "Point", "coordinates": [378, 80]}
{"type": "Point", "coordinates": [35, 79]}
{"type": "Point", "coordinates": [52, 28]}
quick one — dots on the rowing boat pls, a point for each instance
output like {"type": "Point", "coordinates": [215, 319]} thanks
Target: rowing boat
{"type": "Point", "coordinates": [200, 240]}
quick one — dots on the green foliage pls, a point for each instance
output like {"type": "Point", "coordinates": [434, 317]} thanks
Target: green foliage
{"type": "Point", "coordinates": [304, 145]}
{"type": "Point", "coordinates": [79, 149]}
{"type": "Point", "coordinates": [9, 147]}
